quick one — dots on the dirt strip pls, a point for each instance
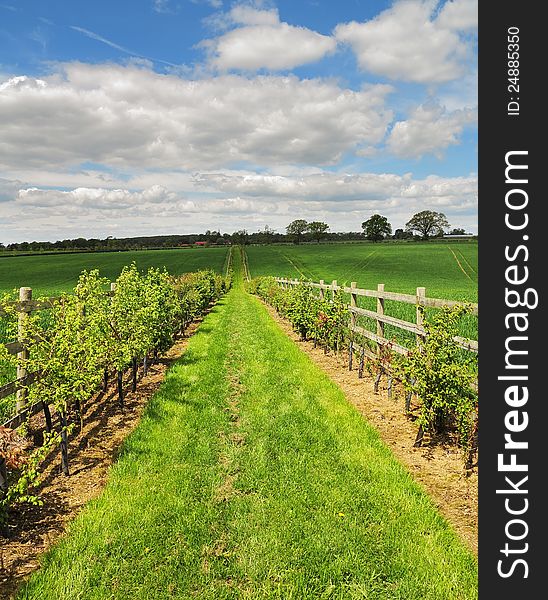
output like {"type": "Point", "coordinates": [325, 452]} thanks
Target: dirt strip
{"type": "Point", "coordinates": [31, 530]}
{"type": "Point", "coordinates": [437, 466]}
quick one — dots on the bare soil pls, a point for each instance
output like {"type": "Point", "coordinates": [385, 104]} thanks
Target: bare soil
{"type": "Point", "coordinates": [31, 530]}
{"type": "Point", "coordinates": [438, 465]}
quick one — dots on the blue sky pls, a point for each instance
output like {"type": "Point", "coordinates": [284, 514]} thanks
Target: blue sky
{"type": "Point", "coordinates": [163, 116]}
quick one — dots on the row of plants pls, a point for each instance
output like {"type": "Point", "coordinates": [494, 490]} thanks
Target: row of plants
{"type": "Point", "coordinates": [85, 337]}
{"type": "Point", "coordinates": [436, 371]}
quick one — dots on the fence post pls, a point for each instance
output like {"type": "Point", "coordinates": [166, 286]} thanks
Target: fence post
{"type": "Point", "coordinates": [25, 294]}
{"type": "Point", "coordinates": [421, 294]}
{"type": "Point", "coordinates": [322, 291]}
{"type": "Point", "coordinates": [333, 286]}
{"type": "Point", "coordinates": [380, 312]}
{"type": "Point", "coordinates": [353, 304]}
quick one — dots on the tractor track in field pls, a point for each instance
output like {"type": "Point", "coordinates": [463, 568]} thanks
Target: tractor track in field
{"type": "Point", "coordinates": [458, 263]}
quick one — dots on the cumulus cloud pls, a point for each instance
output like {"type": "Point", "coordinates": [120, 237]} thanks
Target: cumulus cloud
{"type": "Point", "coordinates": [249, 15]}
{"type": "Point", "coordinates": [409, 42]}
{"type": "Point", "coordinates": [429, 130]}
{"type": "Point", "coordinates": [134, 117]}
{"type": "Point", "coordinates": [262, 41]}
{"type": "Point", "coordinates": [342, 187]}
{"type": "Point", "coordinates": [317, 186]}
{"type": "Point", "coordinates": [96, 198]}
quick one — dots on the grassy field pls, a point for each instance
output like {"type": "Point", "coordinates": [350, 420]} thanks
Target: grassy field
{"type": "Point", "coordinates": [247, 480]}
{"type": "Point", "coordinates": [446, 270]}
{"type": "Point", "coordinates": [52, 274]}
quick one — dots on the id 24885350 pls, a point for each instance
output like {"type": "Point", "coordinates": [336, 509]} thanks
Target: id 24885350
{"type": "Point", "coordinates": [513, 70]}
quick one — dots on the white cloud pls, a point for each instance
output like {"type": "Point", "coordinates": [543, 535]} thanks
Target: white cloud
{"type": "Point", "coordinates": [96, 198]}
{"type": "Point", "coordinates": [212, 3]}
{"type": "Point", "coordinates": [318, 186]}
{"type": "Point", "coordinates": [407, 42]}
{"type": "Point", "coordinates": [429, 130]}
{"type": "Point", "coordinates": [249, 15]}
{"type": "Point", "coordinates": [161, 6]}
{"type": "Point", "coordinates": [261, 41]}
{"type": "Point", "coordinates": [462, 93]}
{"type": "Point", "coordinates": [130, 117]}
{"type": "Point", "coordinates": [460, 15]}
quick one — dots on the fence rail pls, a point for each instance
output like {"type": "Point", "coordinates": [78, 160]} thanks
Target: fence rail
{"type": "Point", "coordinates": [419, 300]}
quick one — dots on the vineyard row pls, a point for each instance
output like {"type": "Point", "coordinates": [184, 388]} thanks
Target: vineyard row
{"type": "Point", "coordinates": [66, 348]}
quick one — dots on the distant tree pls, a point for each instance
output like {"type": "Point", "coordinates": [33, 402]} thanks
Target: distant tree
{"type": "Point", "coordinates": [296, 228]}
{"type": "Point", "coordinates": [265, 236]}
{"type": "Point", "coordinates": [457, 231]}
{"type": "Point", "coordinates": [317, 229]}
{"type": "Point", "coordinates": [428, 223]}
{"type": "Point", "coordinates": [376, 228]}
{"type": "Point", "coordinates": [240, 237]}
{"type": "Point", "coordinates": [400, 234]}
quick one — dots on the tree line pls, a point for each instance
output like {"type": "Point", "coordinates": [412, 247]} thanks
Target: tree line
{"type": "Point", "coordinates": [422, 226]}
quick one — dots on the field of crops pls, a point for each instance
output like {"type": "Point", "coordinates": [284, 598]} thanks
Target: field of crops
{"type": "Point", "coordinates": [49, 275]}
{"type": "Point", "coordinates": [445, 270]}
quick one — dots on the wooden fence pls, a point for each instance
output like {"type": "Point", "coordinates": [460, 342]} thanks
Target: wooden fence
{"type": "Point", "coordinates": [381, 318]}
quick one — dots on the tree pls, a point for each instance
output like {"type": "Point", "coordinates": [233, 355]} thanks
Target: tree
{"type": "Point", "coordinates": [296, 229]}
{"type": "Point", "coordinates": [400, 234]}
{"type": "Point", "coordinates": [457, 231]}
{"type": "Point", "coordinates": [240, 237]}
{"type": "Point", "coordinates": [428, 223]}
{"type": "Point", "coordinates": [317, 229]}
{"type": "Point", "coordinates": [266, 235]}
{"type": "Point", "coordinates": [376, 228]}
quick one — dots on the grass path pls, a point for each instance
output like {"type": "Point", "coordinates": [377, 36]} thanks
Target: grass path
{"type": "Point", "coordinates": [251, 476]}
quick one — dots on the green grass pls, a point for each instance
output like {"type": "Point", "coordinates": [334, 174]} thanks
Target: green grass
{"type": "Point", "coordinates": [401, 267]}
{"type": "Point", "coordinates": [52, 274]}
{"type": "Point", "coordinates": [250, 479]}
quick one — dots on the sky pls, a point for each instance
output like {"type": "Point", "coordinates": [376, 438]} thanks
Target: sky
{"type": "Point", "coordinates": [156, 117]}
